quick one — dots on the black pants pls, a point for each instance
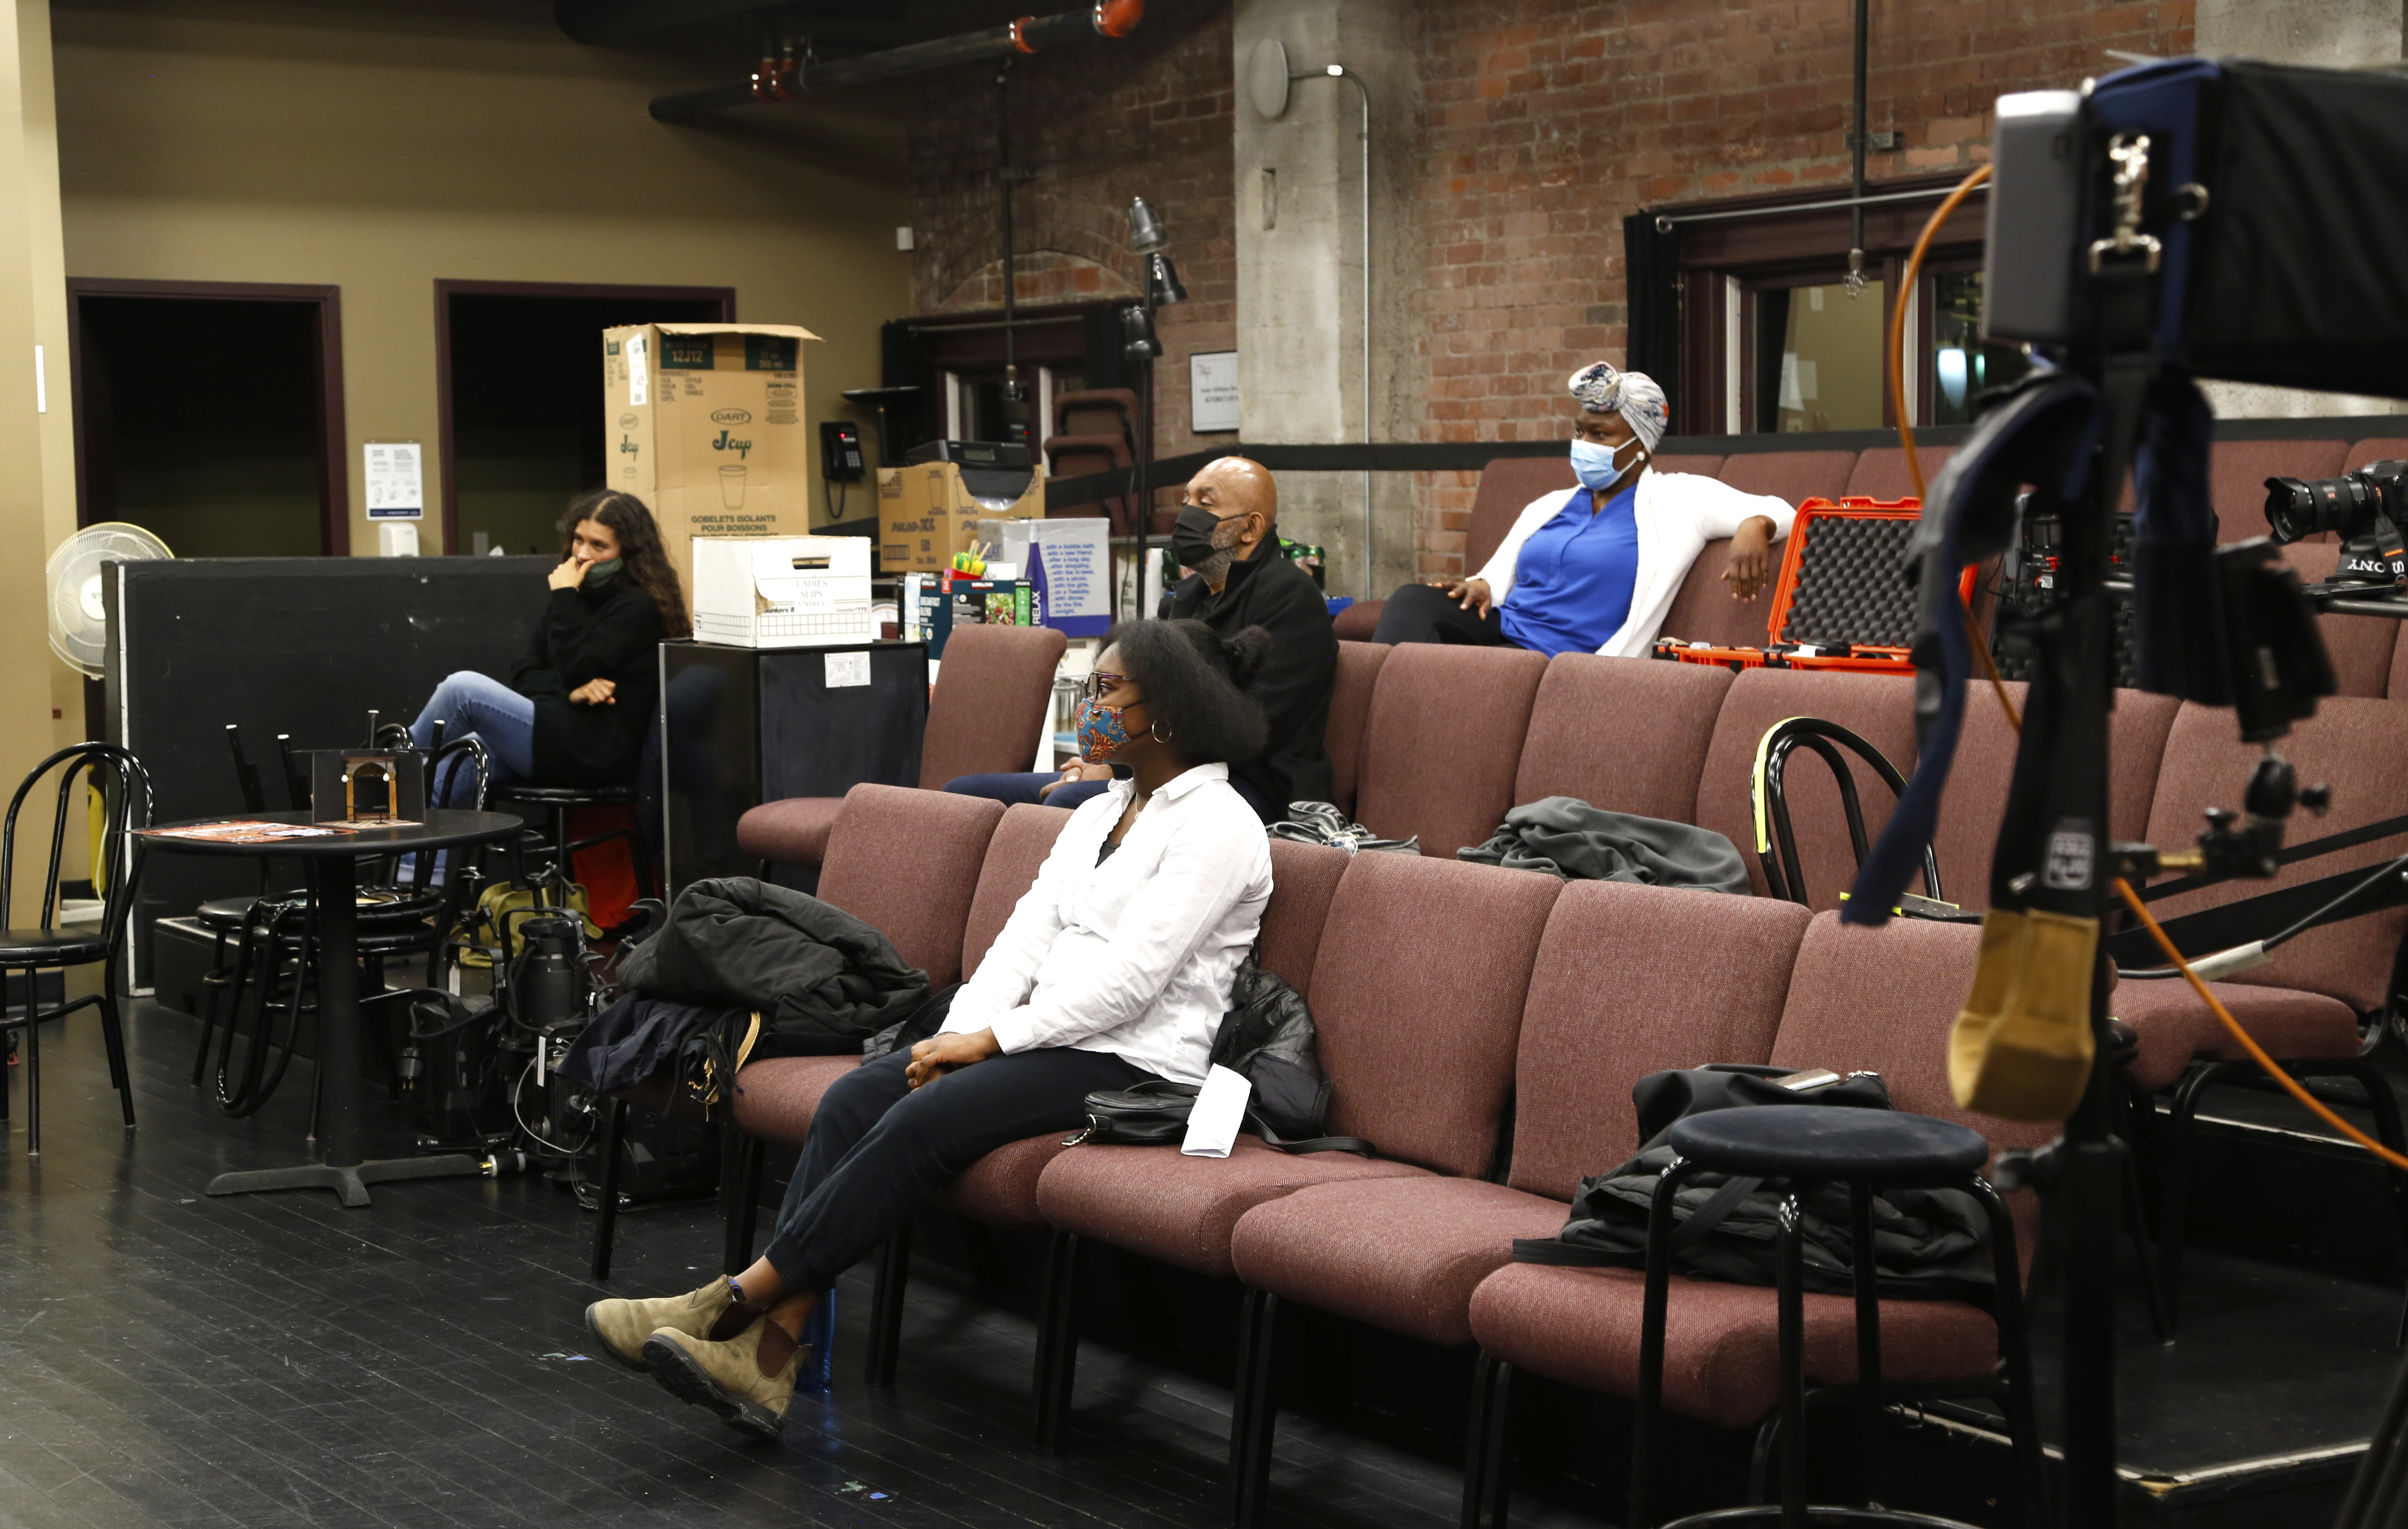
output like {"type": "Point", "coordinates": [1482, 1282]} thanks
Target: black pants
{"type": "Point", "coordinates": [878, 1150]}
{"type": "Point", "coordinates": [1423, 613]}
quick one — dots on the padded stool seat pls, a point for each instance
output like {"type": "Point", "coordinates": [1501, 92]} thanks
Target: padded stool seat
{"type": "Point", "coordinates": [565, 796]}
{"type": "Point", "coordinates": [1816, 1514]}
{"type": "Point", "coordinates": [225, 914]}
{"type": "Point", "coordinates": [53, 946]}
{"type": "Point", "coordinates": [1821, 1145]}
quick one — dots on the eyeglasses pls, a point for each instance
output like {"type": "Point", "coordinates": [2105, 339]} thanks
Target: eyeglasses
{"type": "Point", "coordinates": [1098, 681]}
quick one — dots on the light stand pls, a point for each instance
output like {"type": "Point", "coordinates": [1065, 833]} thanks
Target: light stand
{"type": "Point", "coordinates": [1161, 288]}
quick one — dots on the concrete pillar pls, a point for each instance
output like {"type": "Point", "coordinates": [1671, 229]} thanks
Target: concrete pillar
{"type": "Point", "coordinates": [37, 492]}
{"type": "Point", "coordinates": [1301, 261]}
{"type": "Point", "coordinates": [2327, 33]}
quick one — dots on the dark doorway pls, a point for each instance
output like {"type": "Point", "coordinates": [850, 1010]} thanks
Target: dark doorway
{"type": "Point", "coordinates": [211, 414]}
{"type": "Point", "coordinates": [521, 367]}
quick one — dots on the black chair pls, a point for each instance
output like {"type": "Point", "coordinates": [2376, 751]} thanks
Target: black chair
{"type": "Point", "coordinates": [44, 944]}
{"type": "Point", "coordinates": [1804, 1149]}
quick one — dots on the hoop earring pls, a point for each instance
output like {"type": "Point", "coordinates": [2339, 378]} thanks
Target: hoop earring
{"type": "Point", "coordinates": [1159, 736]}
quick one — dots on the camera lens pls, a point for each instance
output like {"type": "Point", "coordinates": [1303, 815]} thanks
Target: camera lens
{"type": "Point", "coordinates": [2297, 508]}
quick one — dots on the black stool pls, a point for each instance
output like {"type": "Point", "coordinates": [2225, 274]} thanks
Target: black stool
{"type": "Point", "coordinates": [555, 802]}
{"type": "Point", "coordinates": [1804, 1148]}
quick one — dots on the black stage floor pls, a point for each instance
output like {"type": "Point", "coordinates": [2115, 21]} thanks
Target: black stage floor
{"type": "Point", "coordinates": [168, 1359]}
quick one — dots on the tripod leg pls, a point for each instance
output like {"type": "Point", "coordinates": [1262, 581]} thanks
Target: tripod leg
{"type": "Point", "coordinates": [605, 1222]}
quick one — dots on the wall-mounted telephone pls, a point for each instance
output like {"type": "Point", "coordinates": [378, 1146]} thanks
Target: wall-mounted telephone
{"type": "Point", "coordinates": [840, 459]}
{"type": "Point", "coordinates": [840, 463]}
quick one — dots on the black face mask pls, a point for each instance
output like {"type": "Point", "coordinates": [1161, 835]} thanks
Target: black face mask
{"type": "Point", "coordinates": [1191, 536]}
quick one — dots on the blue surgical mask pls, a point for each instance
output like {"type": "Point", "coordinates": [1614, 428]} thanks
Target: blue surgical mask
{"type": "Point", "coordinates": [1598, 466]}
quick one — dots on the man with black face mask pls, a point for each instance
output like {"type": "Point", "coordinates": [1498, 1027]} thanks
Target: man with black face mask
{"type": "Point", "coordinates": [1227, 537]}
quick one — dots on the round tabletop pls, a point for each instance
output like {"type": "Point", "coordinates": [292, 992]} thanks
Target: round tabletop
{"type": "Point", "coordinates": [442, 828]}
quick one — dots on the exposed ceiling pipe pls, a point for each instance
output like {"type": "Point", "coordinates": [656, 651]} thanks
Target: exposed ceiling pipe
{"type": "Point", "coordinates": [784, 80]}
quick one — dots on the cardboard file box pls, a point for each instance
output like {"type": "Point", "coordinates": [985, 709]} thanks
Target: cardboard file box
{"type": "Point", "coordinates": [782, 591]}
{"type": "Point", "coordinates": [705, 425]}
{"type": "Point", "coordinates": [927, 513]}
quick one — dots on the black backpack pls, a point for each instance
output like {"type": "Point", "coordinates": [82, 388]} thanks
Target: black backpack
{"type": "Point", "coordinates": [1928, 1243]}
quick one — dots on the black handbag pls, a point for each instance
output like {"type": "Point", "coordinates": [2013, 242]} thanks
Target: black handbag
{"type": "Point", "coordinates": [1268, 1036]}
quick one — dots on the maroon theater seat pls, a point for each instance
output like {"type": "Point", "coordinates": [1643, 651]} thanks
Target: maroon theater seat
{"type": "Point", "coordinates": [988, 712]}
{"type": "Point", "coordinates": [919, 900]}
{"type": "Point", "coordinates": [1881, 472]}
{"type": "Point", "coordinates": [1419, 1052]}
{"type": "Point", "coordinates": [1350, 715]}
{"type": "Point", "coordinates": [1629, 735]}
{"type": "Point", "coordinates": [1442, 741]}
{"type": "Point", "coordinates": [2236, 473]}
{"type": "Point", "coordinates": [1876, 707]}
{"type": "Point", "coordinates": [1703, 610]}
{"type": "Point", "coordinates": [1614, 994]}
{"type": "Point", "coordinates": [2366, 451]}
{"type": "Point", "coordinates": [1699, 463]}
{"type": "Point", "coordinates": [1506, 487]}
{"type": "Point", "coordinates": [1876, 999]}
{"type": "Point", "coordinates": [1968, 829]}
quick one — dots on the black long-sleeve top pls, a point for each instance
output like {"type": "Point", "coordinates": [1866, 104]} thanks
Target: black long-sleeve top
{"type": "Point", "coordinates": [1293, 688]}
{"type": "Point", "coordinates": [611, 633]}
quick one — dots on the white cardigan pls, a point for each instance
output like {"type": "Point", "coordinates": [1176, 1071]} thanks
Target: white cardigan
{"type": "Point", "coordinates": [1677, 513]}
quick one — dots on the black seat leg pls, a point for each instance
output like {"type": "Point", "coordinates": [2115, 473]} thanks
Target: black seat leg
{"type": "Point", "coordinates": [2173, 1222]}
{"type": "Point", "coordinates": [606, 1220]}
{"type": "Point", "coordinates": [1254, 1419]}
{"type": "Point", "coordinates": [1791, 1296]}
{"type": "Point", "coordinates": [1487, 1476]}
{"type": "Point", "coordinates": [2014, 1356]}
{"type": "Point", "coordinates": [1057, 1341]}
{"type": "Point", "coordinates": [1868, 1363]}
{"type": "Point", "coordinates": [2136, 1219]}
{"type": "Point", "coordinates": [33, 1069]}
{"type": "Point", "coordinates": [886, 1306]}
{"type": "Point", "coordinates": [115, 1036]}
{"type": "Point", "coordinates": [1658, 1302]}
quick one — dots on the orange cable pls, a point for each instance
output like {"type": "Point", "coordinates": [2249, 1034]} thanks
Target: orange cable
{"type": "Point", "coordinates": [2256, 1053]}
{"type": "Point", "coordinates": [1897, 360]}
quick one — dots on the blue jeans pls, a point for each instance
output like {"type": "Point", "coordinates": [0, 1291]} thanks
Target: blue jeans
{"type": "Point", "coordinates": [469, 704]}
{"type": "Point", "coordinates": [1016, 787]}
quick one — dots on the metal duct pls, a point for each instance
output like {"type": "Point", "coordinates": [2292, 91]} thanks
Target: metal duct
{"type": "Point", "coordinates": [783, 79]}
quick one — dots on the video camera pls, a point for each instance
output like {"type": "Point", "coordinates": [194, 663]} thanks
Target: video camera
{"type": "Point", "coordinates": [2364, 508]}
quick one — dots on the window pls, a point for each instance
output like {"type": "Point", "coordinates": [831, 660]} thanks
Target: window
{"type": "Point", "coordinates": [1770, 340]}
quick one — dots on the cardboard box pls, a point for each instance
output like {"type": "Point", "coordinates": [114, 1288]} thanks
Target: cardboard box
{"type": "Point", "coordinates": [927, 515]}
{"type": "Point", "coordinates": [706, 427]}
{"type": "Point", "coordinates": [782, 591]}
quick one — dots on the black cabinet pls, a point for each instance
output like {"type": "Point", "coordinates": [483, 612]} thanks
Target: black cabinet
{"type": "Point", "coordinates": [744, 725]}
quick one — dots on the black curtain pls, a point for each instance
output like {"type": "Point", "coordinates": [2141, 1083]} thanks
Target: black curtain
{"type": "Point", "coordinates": [1651, 264]}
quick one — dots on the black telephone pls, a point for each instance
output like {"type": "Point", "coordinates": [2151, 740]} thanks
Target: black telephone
{"type": "Point", "coordinates": [841, 459]}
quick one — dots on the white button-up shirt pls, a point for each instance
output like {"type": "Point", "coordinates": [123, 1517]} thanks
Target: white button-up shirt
{"type": "Point", "coordinates": [1135, 956]}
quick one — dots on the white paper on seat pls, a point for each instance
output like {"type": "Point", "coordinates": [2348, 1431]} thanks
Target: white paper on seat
{"type": "Point", "coordinates": [1220, 1110]}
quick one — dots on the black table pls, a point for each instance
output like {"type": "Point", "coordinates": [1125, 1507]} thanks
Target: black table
{"type": "Point", "coordinates": [335, 859]}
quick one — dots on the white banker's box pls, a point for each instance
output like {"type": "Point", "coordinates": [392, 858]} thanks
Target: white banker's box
{"type": "Point", "coordinates": [782, 591]}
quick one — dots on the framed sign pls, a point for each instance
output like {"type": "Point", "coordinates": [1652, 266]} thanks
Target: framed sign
{"type": "Point", "coordinates": [1213, 391]}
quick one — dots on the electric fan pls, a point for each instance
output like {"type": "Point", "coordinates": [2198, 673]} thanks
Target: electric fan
{"type": "Point", "coordinates": [79, 621]}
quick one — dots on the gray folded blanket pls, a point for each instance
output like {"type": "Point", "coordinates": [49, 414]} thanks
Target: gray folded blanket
{"type": "Point", "coordinates": [1566, 837]}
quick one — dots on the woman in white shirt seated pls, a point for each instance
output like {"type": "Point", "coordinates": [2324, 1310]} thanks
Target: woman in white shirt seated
{"type": "Point", "coordinates": [1114, 968]}
{"type": "Point", "coordinates": [1594, 568]}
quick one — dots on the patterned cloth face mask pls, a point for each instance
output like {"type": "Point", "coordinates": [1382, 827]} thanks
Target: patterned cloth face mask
{"type": "Point", "coordinates": [1102, 731]}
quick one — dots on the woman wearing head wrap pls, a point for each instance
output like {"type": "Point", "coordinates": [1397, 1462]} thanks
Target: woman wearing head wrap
{"type": "Point", "coordinates": [1594, 569]}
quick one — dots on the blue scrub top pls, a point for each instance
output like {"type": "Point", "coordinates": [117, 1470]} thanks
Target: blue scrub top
{"type": "Point", "coordinates": [1574, 580]}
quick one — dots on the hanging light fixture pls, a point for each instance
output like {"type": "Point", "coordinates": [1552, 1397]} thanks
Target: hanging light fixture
{"type": "Point", "coordinates": [1146, 233]}
{"type": "Point", "coordinates": [1162, 281]}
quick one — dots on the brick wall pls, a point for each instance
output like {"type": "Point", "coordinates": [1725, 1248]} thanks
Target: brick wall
{"type": "Point", "coordinates": [1546, 122]}
{"type": "Point", "coordinates": [1101, 121]}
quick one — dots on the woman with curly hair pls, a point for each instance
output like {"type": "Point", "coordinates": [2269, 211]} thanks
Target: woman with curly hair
{"type": "Point", "coordinates": [1115, 967]}
{"type": "Point", "coordinates": [575, 706]}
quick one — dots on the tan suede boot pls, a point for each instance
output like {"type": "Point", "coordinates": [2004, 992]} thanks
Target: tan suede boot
{"type": "Point", "coordinates": [748, 1380]}
{"type": "Point", "coordinates": [621, 1327]}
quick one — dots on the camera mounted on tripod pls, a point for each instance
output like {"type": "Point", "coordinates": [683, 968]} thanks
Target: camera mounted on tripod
{"type": "Point", "coordinates": [2365, 510]}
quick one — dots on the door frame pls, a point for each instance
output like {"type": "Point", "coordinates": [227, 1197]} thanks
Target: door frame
{"type": "Point", "coordinates": [724, 297]}
{"type": "Point", "coordinates": [333, 469]}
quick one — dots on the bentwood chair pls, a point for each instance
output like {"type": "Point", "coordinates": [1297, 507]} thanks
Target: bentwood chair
{"type": "Point", "coordinates": [44, 944]}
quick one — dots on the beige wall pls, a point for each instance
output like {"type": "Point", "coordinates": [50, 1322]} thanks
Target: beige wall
{"type": "Point", "coordinates": [380, 151]}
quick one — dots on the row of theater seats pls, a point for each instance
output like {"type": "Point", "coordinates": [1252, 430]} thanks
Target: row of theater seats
{"type": "Point", "coordinates": [1440, 742]}
{"type": "Point", "coordinates": [1449, 997]}
{"type": "Point", "coordinates": [1703, 611]}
